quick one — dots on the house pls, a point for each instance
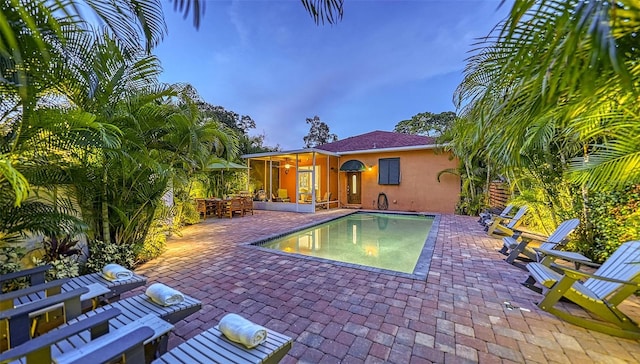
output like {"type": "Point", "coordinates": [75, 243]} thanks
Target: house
{"type": "Point", "coordinates": [378, 170]}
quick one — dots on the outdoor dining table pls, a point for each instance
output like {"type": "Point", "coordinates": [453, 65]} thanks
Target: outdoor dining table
{"type": "Point", "coordinates": [214, 206]}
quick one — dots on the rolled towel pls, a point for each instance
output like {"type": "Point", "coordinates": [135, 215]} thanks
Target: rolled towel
{"type": "Point", "coordinates": [239, 329]}
{"type": "Point", "coordinates": [164, 295]}
{"type": "Point", "coordinates": [116, 272]}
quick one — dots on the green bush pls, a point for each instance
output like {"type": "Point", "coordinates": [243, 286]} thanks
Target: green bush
{"type": "Point", "coordinates": [101, 254]}
{"type": "Point", "coordinates": [10, 257]}
{"type": "Point", "coordinates": [154, 245]}
{"type": "Point", "coordinates": [614, 218]}
{"type": "Point", "coordinates": [63, 267]}
{"type": "Point", "coordinates": [187, 214]}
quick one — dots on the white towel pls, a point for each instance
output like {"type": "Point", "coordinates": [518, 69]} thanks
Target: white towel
{"type": "Point", "coordinates": [164, 295]}
{"type": "Point", "coordinates": [116, 272]}
{"type": "Point", "coordinates": [239, 329]}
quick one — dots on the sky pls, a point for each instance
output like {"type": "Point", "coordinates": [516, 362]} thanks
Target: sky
{"type": "Point", "coordinates": [386, 61]}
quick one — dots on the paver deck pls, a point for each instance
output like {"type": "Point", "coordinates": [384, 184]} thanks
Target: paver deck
{"type": "Point", "coordinates": [340, 314]}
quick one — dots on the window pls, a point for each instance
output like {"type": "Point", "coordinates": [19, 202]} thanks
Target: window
{"type": "Point", "coordinates": [389, 171]}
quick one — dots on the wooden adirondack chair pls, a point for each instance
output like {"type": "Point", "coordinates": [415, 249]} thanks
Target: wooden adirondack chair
{"type": "Point", "coordinates": [505, 226]}
{"type": "Point", "coordinates": [514, 248]}
{"type": "Point", "coordinates": [75, 344]}
{"type": "Point", "coordinates": [601, 293]}
{"type": "Point", "coordinates": [72, 343]}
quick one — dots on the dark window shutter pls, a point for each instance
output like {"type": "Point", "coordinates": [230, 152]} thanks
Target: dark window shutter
{"type": "Point", "coordinates": [383, 172]}
{"type": "Point", "coordinates": [389, 171]}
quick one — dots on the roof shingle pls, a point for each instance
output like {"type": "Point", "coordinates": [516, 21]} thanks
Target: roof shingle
{"type": "Point", "coordinates": [377, 140]}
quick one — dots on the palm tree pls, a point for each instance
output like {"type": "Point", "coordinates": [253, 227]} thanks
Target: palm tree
{"type": "Point", "coordinates": [565, 74]}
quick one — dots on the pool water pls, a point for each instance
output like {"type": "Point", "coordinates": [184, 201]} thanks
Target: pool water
{"type": "Point", "coordinates": [379, 240]}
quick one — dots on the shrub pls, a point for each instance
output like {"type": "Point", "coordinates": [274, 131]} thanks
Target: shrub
{"type": "Point", "coordinates": [153, 246]}
{"type": "Point", "coordinates": [64, 267]}
{"type": "Point", "coordinates": [614, 218]}
{"type": "Point", "coordinates": [10, 257]}
{"type": "Point", "coordinates": [102, 253]}
{"type": "Point", "coordinates": [187, 214]}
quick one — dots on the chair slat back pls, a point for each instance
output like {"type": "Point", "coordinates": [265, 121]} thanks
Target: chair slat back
{"type": "Point", "coordinates": [506, 211]}
{"type": "Point", "coordinates": [516, 218]}
{"type": "Point", "coordinates": [563, 231]}
{"type": "Point", "coordinates": [623, 264]}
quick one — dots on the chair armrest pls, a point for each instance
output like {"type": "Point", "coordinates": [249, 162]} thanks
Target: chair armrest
{"type": "Point", "coordinates": [37, 271]}
{"type": "Point", "coordinates": [42, 304]}
{"type": "Point", "coordinates": [45, 341]}
{"type": "Point", "coordinates": [119, 344]}
{"type": "Point", "coordinates": [32, 289]}
{"type": "Point", "coordinates": [577, 274]}
{"type": "Point", "coordinates": [528, 235]}
{"type": "Point", "coordinates": [568, 256]}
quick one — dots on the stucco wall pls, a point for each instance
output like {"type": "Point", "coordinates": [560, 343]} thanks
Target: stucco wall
{"type": "Point", "coordinates": [419, 189]}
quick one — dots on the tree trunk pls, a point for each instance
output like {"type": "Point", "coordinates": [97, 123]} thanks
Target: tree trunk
{"type": "Point", "coordinates": [106, 235]}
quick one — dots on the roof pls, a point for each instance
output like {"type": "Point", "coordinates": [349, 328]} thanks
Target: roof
{"type": "Point", "coordinates": [378, 140]}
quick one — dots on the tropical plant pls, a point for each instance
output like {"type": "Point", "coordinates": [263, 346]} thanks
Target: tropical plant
{"type": "Point", "coordinates": [553, 95]}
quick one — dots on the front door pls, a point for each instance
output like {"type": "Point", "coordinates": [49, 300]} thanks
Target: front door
{"type": "Point", "coordinates": [353, 188]}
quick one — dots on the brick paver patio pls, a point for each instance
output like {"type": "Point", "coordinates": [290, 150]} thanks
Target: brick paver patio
{"type": "Point", "coordinates": [338, 314]}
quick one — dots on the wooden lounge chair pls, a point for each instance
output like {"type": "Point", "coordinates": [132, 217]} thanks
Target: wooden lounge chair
{"type": "Point", "coordinates": [210, 346]}
{"type": "Point", "coordinates": [601, 293]}
{"type": "Point", "coordinates": [514, 248]}
{"type": "Point", "coordinates": [72, 343]}
{"type": "Point", "coordinates": [503, 226]}
{"type": "Point", "coordinates": [36, 276]}
{"type": "Point", "coordinates": [133, 308]}
{"type": "Point", "coordinates": [16, 324]}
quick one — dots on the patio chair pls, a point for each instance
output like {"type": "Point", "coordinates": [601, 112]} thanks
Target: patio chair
{"type": "Point", "coordinates": [601, 293]}
{"type": "Point", "coordinates": [324, 201]}
{"type": "Point", "coordinates": [247, 205]}
{"type": "Point", "coordinates": [486, 217]}
{"type": "Point", "coordinates": [72, 343]}
{"type": "Point", "coordinates": [35, 276]}
{"type": "Point", "coordinates": [514, 248]}
{"type": "Point", "coordinates": [132, 308]}
{"type": "Point", "coordinates": [283, 195]}
{"type": "Point", "coordinates": [210, 346]}
{"type": "Point", "coordinates": [17, 324]}
{"type": "Point", "coordinates": [232, 206]}
{"type": "Point", "coordinates": [504, 226]}
{"type": "Point", "coordinates": [201, 207]}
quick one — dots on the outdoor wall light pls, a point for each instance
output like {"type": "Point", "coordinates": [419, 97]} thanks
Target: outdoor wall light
{"type": "Point", "coordinates": [286, 168]}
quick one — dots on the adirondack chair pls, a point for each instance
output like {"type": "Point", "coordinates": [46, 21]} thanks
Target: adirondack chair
{"type": "Point", "coordinates": [504, 226]}
{"type": "Point", "coordinates": [514, 248]}
{"type": "Point", "coordinates": [601, 293]}
{"type": "Point", "coordinates": [74, 343]}
{"type": "Point", "coordinates": [487, 217]}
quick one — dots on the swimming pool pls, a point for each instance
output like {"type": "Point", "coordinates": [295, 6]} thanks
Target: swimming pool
{"type": "Point", "coordinates": [388, 241]}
